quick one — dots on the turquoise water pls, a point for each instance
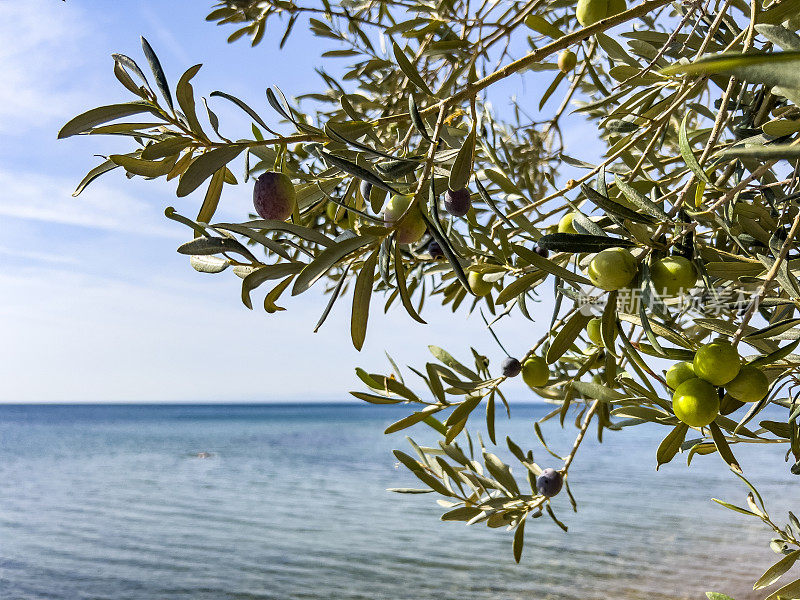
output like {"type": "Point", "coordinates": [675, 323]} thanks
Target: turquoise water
{"type": "Point", "coordinates": [110, 502]}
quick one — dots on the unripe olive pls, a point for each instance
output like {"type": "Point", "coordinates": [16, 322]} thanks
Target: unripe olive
{"type": "Point", "coordinates": [589, 12]}
{"type": "Point", "coordinates": [750, 385]}
{"type": "Point", "coordinates": [457, 202]}
{"type": "Point", "coordinates": [411, 228]}
{"type": "Point", "coordinates": [678, 373]}
{"type": "Point", "coordinates": [332, 210]}
{"type": "Point", "coordinates": [274, 196]}
{"type": "Point", "coordinates": [673, 275]}
{"type": "Point", "coordinates": [478, 285]}
{"type": "Point", "coordinates": [593, 331]}
{"type": "Point", "coordinates": [535, 372]}
{"type": "Point", "coordinates": [696, 402]}
{"type": "Point", "coordinates": [717, 362]}
{"type": "Point", "coordinates": [612, 269]}
{"type": "Point", "coordinates": [511, 367]}
{"type": "Point", "coordinates": [567, 61]}
{"type": "Point", "coordinates": [565, 224]}
{"type": "Point", "coordinates": [615, 7]}
{"type": "Point", "coordinates": [549, 483]}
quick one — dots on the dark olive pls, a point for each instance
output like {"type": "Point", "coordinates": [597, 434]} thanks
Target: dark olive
{"type": "Point", "coordinates": [549, 482]}
{"type": "Point", "coordinates": [274, 196]}
{"type": "Point", "coordinates": [435, 250]}
{"type": "Point", "coordinates": [511, 367]}
{"type": "Point", "coordinates": [458, 202]}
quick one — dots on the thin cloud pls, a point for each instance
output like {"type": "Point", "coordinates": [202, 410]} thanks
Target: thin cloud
{"type": "Point", "coordinates": [44, 257]}
{"type": "Point", "coordinates": [40, 43]}
{"type": "Point", "coordinates": [101, 206]}
{"type": "Point", "coordinates": [166, 37]}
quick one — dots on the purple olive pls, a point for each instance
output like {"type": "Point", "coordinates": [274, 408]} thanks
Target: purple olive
{"type": "Point", "coordinates": [543, 252]}
{"type": "Point", "coordinates": [274, 196]}
{"type": "Point", "coordinates": [511, 367]}
{"type": "Point", "coordinates": [435, 250]}
{"type": "Point", "coordinates": [458, 202]}
{"type": "Point", "coordinates": [549, 483]}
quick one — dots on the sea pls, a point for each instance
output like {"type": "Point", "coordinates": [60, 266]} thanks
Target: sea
{"type": "Point", "coordinates": [290, 501]}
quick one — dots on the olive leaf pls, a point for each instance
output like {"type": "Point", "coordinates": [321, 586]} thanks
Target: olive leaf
{"type": "Point", "coordinates": [615, 208]}
{"type": "Point", "coordinates": [267, 273]}
{"type": "Point", "coordinates": [169, 146]}
{"type": "Point", "coordinates": [103, 114]}
{"type": "Point", "coordinates": [204, 166]}
{"type": "Point", "coordinates": [687, 154]}
{"type": "Point", "coordinates": [208, 264]}
{"type": "Point", "coordinates": [771, 68]}
{"type": "Point", "coordinates": [412, 419]}
{"type": "Point", "coordinates": [203, 246]}
{"type": "Point", "coordinates": [326, 260]}
{"type": "Point", "coordinates": [185, 95]}
{"type": "Point", "coordinates": [158, 72]}
{"type": "Point", "coordinates": [244, 106]}
{"type": "Point", "coordinates": [361, 297]}
{"type": "Point", "coordinates": [578, 242]}
{"type": "Point", "coordinates": [358, 171]}
{"type": "Point", "coordinates": [408, 69]}
{"type": "Point", "coordinates": [671, 444]}
{"type": "Point", "coordinates": [567, 335]}
{"type": "Point", "coordinates": [461, 170]}
{"type": "Point", "coordinates": [416, 118]}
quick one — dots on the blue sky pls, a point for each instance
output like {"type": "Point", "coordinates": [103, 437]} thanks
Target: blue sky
{"type": "Point", "coordinates": [96, 305]}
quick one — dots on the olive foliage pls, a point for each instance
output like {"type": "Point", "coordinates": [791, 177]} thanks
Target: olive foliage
{"type": "Point", "coordinates": [696, 106]}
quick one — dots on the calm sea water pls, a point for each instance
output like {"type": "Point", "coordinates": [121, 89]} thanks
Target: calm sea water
{"type": "Point", "coordinates": [110, 502]}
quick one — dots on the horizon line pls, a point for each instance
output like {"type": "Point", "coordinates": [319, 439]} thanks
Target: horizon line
{"type": "Point", "coordinates": [218, 403]}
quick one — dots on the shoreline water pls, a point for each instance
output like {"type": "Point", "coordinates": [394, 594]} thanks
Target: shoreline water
{"type": "Point", "coordinates": [110, 501]}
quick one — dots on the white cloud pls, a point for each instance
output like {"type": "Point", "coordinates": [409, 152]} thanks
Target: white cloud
{"type": "Point", "coordinates": [40, 43]}
{"type": "Point", "coordinates": [103, 205]}
{"type": "Point", "coordinates": [45, 257]}
{"type": "Point", "coordinates": [165, 35]}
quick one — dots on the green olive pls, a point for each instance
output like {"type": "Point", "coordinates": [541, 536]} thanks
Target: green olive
{"type": "Point", "coordinates": [593, 331]}
{"type": "Point", "coordinates": [479, 286]}
{"type": "Point", "coordinates": [535, 372]}
{"type": "Point", "coordinates": [589, 12]}
{"type": "Point", "coordinates": [678, 373]}
{"type": "Point", "coordinates": [717, 362]}
{"type": "Point", "coordinates": [567, 61]}
{"type": "Point", "coordinates": [673, 275]}
{"type": "Point", "coordinates": [750, 385]}
{"type": "Point", "coordinates": [696, 402]}
{"type": "Point", "coordinates": [565, 224]}
{"type": "Point", "coordinates": [410, 227]}
{"type": "Point", "coordinates": [612, 269]}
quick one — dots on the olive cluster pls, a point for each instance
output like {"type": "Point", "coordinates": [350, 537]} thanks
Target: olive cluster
{"type": "Point", "coordinates": [698, 385]}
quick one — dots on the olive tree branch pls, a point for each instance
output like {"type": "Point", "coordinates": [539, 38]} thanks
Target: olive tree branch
{"type": "Point", "coordinates": [773, 272]}
{"type": "Point", "coordinates": [562, 43]}
{"type": "Point", "coordinates": [581, 434]}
